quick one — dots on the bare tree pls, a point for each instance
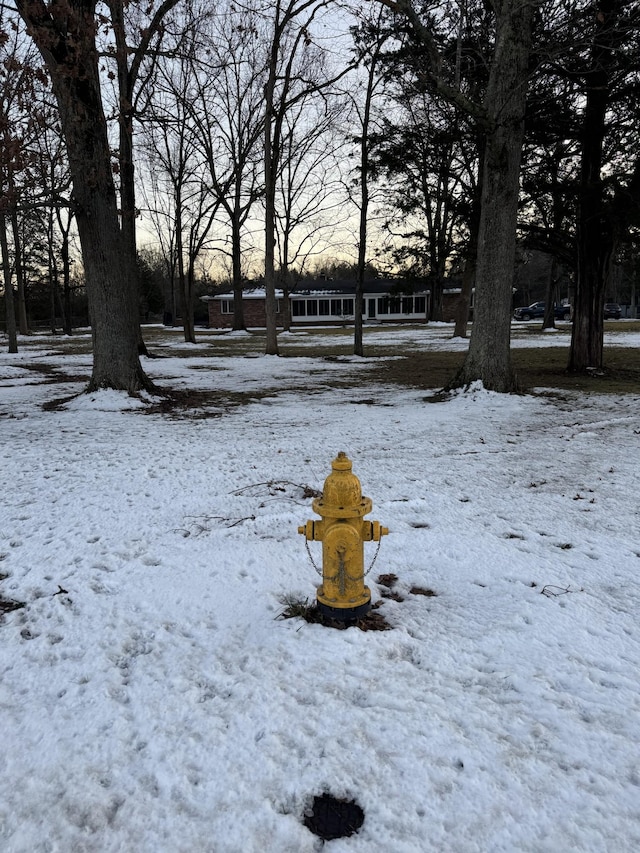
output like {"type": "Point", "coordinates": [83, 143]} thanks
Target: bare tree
{"type": "Point", "coordinates": [45, 209]}
{"type": "Point", "coordinates": [173, 150]}
{"type": "Point", "coordinates": [18, 75]}
{"type": "Point", "coordinates": [135, 65]}
{"type": "Point", "coordinates": [500, 116]}
{"type": "Point", "coordinates": [595, 232]}
{"type": "Point", "coordinates": [295, 72]}
{"type": "Point", "coordinates": [65, 35]}
{"type": "Point", "coordinates": [309, 197]}
{"type": "Point", "coordinates": [227, 112]}
{"type": "Point", "coordinates": [370, 41]}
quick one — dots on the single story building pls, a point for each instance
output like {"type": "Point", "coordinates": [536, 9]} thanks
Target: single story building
{"type": "Point", "coordinates": [327, 302]}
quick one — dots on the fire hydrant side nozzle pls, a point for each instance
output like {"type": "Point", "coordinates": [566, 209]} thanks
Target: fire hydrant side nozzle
{"type": "Point", "coordinates": [343, 531]}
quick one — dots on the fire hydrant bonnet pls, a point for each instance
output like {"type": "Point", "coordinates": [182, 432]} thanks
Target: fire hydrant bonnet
{"type": "Point", "coordinates": [342, 494]}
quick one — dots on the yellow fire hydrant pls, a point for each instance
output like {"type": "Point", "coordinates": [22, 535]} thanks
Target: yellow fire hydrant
{"type": "Point", "coordinates": [343, 532]}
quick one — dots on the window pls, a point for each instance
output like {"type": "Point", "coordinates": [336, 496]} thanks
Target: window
{"type": "Point", "coordinates": [336, 307]}
{"type": "Point", "coordinates": [226, 306]}
{"type": "Point", "coordinates": [407, 304]}
{"type": "Point", "coordinates": [420, 305]}
{"type": "Point", "coordinates": [394, 305]}
{"type": "Point", "coordinates": [383, 305]}
{"type": "Point", "coordinates": [298, 309]}
{"type": "Point", "coordinates": [312, 307]}
{"type": "Point", "coordinates": [323, 307]}
{"type": "Point", "coordinates": [347, 306]}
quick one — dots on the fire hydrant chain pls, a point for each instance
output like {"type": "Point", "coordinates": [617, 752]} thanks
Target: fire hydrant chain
{"type": "Point", "coordinates": [375, 557]}
{"type": "Point", "coordinates": [319, 570]}
{"type": "Point", "coordinates": [311, 560]}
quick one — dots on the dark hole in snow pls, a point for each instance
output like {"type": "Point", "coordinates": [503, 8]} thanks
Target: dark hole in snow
{"type": "Point", "coordinates": [333, 818]}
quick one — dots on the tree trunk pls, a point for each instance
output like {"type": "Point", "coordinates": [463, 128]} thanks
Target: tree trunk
{"type": "Point", "coordinates": [65, 35]}
{"type": "Point", "coordinates": [595, 236]}
{"type": "Point", "coordinates": [67, 318]}
{"type": "Point", "coordinates": [53, 274]}
{"type": "Point", "coordinates": [489, 358]}
{"type": "Point", "coordinates": [549, 319]}
{"type": "Point", "coordinates": [462, 311]}
{"type": "Point", "coordinates": [270, 160]}
{"type": "Point", "coordinates": [23, 322]}
{"type": "Point", "coordinates": [127, 78]}
{"type": "Point", "coordinates": [236, 273]}
{"type": "Point", "coordinates": [469, 274]}
{"type": "Point", "coordinates": [10, 311]}
{"type": "Point", "coordinates": [187, 305]}
{"type": "Point", "coordinates": [358, 343]}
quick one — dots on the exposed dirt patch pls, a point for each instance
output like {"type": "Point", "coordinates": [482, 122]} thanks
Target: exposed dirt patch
{"type": "Point", "coordinates": [422, 590]}
{"type": "Point", "coordinates": [7, 605]}
{"type": "Point", "coordinates": [198, 404]}
{"type": "Point", "coordinates": [54, 374]}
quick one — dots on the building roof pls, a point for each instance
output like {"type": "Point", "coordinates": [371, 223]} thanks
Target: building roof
{"type": "Point", "coordinates": [347, 287]}
{"type": "Point", "coordinates": [247, 293]}
{"type": "Point", "coordinates": [331, 287]}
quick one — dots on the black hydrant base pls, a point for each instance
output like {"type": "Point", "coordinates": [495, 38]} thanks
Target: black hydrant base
{"type": "Point", "coordinates": [344, 614]}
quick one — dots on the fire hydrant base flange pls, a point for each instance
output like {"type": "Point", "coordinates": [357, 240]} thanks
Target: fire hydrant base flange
{"type": "Point", "coordinates": [347, 615]}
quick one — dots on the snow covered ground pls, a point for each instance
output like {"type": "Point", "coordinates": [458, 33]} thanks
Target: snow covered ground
{"type": "Point", "coordinates": [151, 701]}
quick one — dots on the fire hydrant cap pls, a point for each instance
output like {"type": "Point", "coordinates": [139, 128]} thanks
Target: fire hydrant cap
{"type": "Point", "coordinates": [341, 462]}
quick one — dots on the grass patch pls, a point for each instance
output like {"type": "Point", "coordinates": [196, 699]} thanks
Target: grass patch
{"type": "Point", "coordinates": [544, 367]}
{"type": "Point", "coordinates": [298, 608]}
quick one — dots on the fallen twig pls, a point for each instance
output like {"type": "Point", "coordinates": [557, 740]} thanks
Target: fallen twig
{"type": "Point", "coordinates": [201, 523]}
{"type": "Point", "coordinates": [281, 486]}
{"type": "Point", "coordinates": [552, 591]}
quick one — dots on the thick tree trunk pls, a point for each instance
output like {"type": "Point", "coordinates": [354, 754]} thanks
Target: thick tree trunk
{"type": "Point", "coordinates": [65, 36]}
{"type": "Point", "coordinates": [595, 237]}
{"type": "Point", "coordinates": [489, 356]}
{"type": "Point", "coordinates": [113, 307]}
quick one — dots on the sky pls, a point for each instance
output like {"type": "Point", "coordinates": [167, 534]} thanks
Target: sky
{"type": "Point", "coordinates": [151, 699]}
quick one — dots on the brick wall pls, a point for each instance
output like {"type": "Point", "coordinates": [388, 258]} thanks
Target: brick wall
{"type": "Point", "coordinates": [254, 315]}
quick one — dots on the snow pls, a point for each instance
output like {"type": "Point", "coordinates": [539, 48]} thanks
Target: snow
{"type": "Point", "coordinates": [152, 701]}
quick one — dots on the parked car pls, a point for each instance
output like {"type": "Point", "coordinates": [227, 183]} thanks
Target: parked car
{"type": "Point", "coordinates": [536, 310]}
{"type": "Point", "coordinates": [612, 311]}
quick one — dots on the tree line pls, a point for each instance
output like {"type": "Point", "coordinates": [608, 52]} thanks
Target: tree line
{"type": "Point", "coordinates": [252, 129]}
